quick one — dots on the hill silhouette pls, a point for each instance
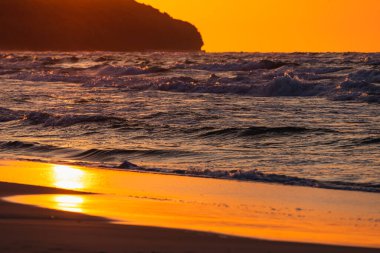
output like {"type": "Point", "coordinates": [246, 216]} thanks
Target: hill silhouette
{"type": "Point", "coordinates": [104, 25]}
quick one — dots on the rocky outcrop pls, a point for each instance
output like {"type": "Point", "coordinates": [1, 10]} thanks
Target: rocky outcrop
{"type": "Point", "coordinates": [104, 25]}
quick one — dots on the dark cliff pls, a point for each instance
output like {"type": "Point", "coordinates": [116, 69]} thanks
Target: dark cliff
{"type": "Point", "coordinates": [104, 25]}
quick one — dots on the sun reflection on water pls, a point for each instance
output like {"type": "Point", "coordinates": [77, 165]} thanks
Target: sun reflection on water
{"type": "Point", "coordinates": [68, 177]}
{"type": "Point", "coordinates": [69, 203]}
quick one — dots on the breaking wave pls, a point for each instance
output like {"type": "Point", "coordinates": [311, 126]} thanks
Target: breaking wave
{"type": "Point", "coordinates": [97, 157]}
{"type": "Point", "coordinates": [257, 176]}
{"type": "Point", "coordinates": [270, 76]}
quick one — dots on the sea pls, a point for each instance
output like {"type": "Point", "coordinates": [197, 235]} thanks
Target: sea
{"type": "Point", "coordinates": [308, 119]}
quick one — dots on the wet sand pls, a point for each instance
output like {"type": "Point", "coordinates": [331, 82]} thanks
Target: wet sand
{"type": "Point", "coordinates": [246, 209]}
{"type": "Point", "coordinates": [31, 229]}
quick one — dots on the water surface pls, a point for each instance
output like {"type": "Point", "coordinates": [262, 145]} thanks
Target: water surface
{"type": "Point", "coordinates": [304, 119]}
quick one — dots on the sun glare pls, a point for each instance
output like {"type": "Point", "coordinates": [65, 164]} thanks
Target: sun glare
{"type": "Point", "coordinates": [69, 203]}
{"type": "Point", "coordinates": [68, 177]}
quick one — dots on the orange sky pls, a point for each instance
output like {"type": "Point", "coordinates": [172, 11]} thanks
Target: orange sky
{"type": "Point", "coordinates": [281, 25]}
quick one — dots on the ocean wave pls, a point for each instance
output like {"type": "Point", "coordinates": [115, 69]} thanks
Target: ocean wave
{"type": "Point", "coordinates": [91, 155]}
{"type": "Point", "coordinates": [50, 76]}
{"type": "Point", "coordinates": [49, 60]}
{"type": "Point", "coordinates": [15, 145]}
{"type": "Point", "coordinates": [241, 66]}
{"type": "Point", "coordinates": [105, 58]}
{"type": "Point", "coordinates": [28, 147]}
{"type": "Point", "coordinates": [117, 154]}
{"type": "Point", "coordinates": [129, 71]}
{"type": "Point", "coordinates": [369, 141]}
{"type": "Point", "coordinates": [370, 76]}
{"type": "Point", "coordinates": [322, 70]}
{"type": "Point", "coordinates": [290, 86]}
{"type": "Point", "coordinates": [357, 90]}
{"type": "Point", "coordinates": [343, 78]}
{"type": "Point", "coordinates": [108, 159]}
{"type": "Point", "coordinates": [257, 130]}
{"type": "Point", "coordinates": [257, 176]}
{"type": "Point", "coordinates": [4, 72]}
{"type": "Point", "coordinates": [373, 60]}
{"type": "Point", "coordinates": [49, 120]}
{"type": "Point", "coordinates": [280, 86]}
{"type": "Point", "coordinates": [7, 115]}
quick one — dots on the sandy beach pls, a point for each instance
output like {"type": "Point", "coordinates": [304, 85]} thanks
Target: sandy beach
{"type": "Point", "coordinates": [27, 228]}
{"type": "Point", "coordinates": [31, 229]}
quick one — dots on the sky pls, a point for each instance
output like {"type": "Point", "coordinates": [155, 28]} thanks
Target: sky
{"type": "Point", "coordinates": [281, 25]}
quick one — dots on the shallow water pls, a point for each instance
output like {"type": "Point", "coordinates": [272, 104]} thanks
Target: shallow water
{"type": "Point", "coordinates": [304, 119]}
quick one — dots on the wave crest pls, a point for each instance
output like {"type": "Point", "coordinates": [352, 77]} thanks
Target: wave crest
{"type": "Point", "coordinates": [243, 66]}
{"type": "Point", "coordinates": [8, 115]}
{"type": "Point", "coordinates": [49, 120]}
{"type": "Point", "coordinates": [129, 71]}
{"type": "Point", "coordinates": [257, 176]}
{"type": "Point", "coordinates": [255, 131]}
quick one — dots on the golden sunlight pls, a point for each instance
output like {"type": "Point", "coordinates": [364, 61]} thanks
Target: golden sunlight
{"type": "Point", "coordinates": [68, 177]}
{"type": "Point", "coordinates": [69, 203]}
{"type": "Point", "coordinates": [203, 125]}
{"type": "Point", "coordinates": [281, 25]}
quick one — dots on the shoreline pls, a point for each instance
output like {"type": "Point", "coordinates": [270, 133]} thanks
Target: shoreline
{"type": "Point", "coordinates": [71, 231]}
{"type": "Point", "coordinates": [317, 184]}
